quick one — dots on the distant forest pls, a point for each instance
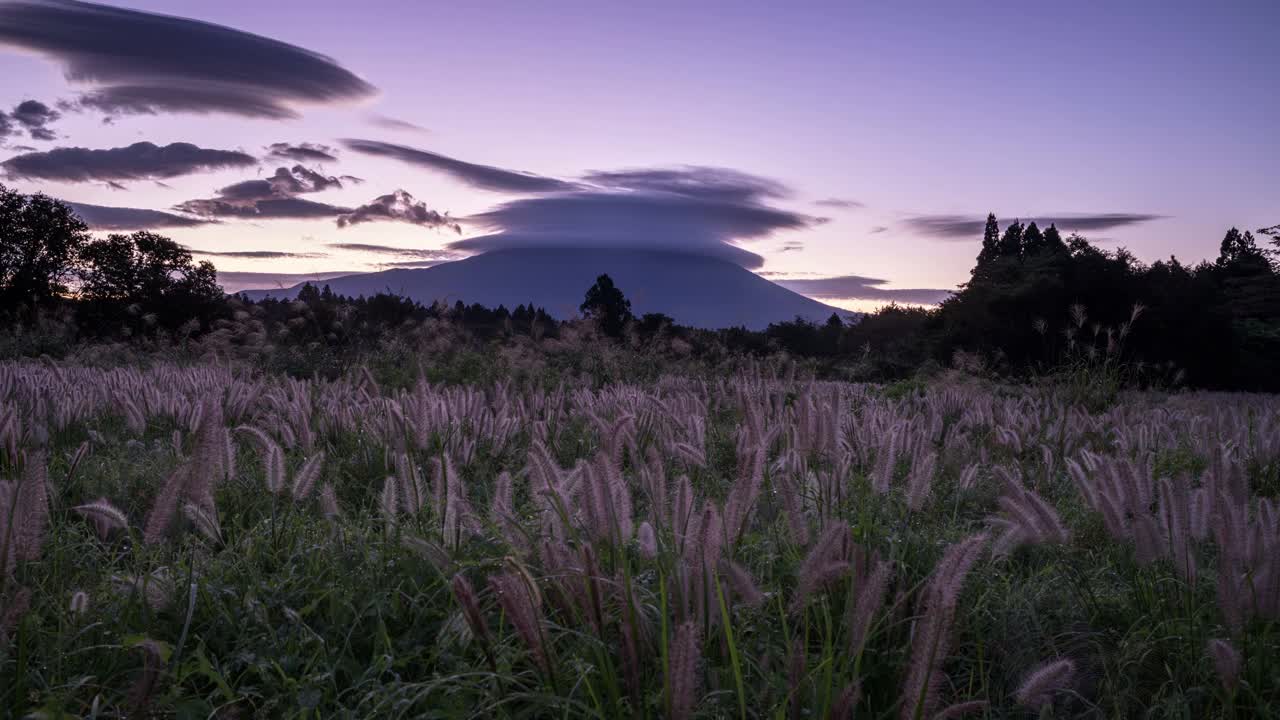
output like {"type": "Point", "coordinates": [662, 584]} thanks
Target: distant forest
{"type": "Point", "coordinates": [1036, 304]}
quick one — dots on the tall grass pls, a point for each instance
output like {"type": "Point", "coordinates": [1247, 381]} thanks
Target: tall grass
{"type": "Point", "coordinates": [202, 540]}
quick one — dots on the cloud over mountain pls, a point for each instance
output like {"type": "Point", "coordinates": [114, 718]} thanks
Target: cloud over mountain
{"type": "Point", "coordinates": [696, 210]}
{"type": "Point", "coordinates": [140, 62]}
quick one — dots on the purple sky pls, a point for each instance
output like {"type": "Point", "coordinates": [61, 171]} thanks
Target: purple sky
{"type": "Point", "coordinates": [1146, 124]}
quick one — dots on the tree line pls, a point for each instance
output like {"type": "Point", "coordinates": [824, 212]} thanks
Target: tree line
{"type": "Point", "coordinates": [1035, 302]}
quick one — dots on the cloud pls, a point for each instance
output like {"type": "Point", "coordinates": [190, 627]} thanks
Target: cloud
{"type": "Point", "coordinates": [139, 62]}
{"type": "Point", "coordinates": [420, 253]}
{"type": "Point", "coordinates": [272, 197]}
{"type": "Point", "coordinates": [36, 117]}
{"type": "Point", "coordinates": [102, 217]}
{"type": "Point", "coordinates": [967, 227]}
{"type": "Point", "coordinates": [702, 211]}
{"type": "Point", "coordinates": [276, 197]}
{"type": "Point", "coordinates": [390, 123]}
{"type": "Point", "coordinates": [709, 183]}
{"type": "Point", "coordinates": [285, 182]}
{"type": "Point", "coordinates": [255, 254]}
{"type": "Point", "coordinates": [285, 208]}
{"type": "Point", "coordinates": [398, 206]}
{"type": "Point", "coordinates": [416, 263]}
{"type": "Point", "coordinates": [302, 152]}
{"type": "Point", "coordinates": [234, 282]}
{"type": "Point", "coordinates": [485, 177]}
{"type": "Point", "coordinates": [862, 288]}
{"type": "Point", "coordinates": [839, 203]}
{"type": "Point", "coordinates": [139, 161]}
{"type": "Point", "coordinates": [878, 229]}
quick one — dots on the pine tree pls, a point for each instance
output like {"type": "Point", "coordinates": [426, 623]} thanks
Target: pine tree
{"type": "Point", "coordinates": [1032, 240]}
{"type": "Point", "coordinates": [606, 303]}
{"type": "Point", "coordinates": [1011, 242]}
{"type": "Point", "coordinates": [1053, 240]}
{"type": "Point", "coordinates": [990, 242]}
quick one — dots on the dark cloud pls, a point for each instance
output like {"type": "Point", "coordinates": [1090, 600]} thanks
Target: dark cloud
{"type": "Point", "coordinates": [966, 227]}
{"type": "Point", "coordinates": [302, 152]}
{"type": "Point", "coordinates": [708, 183]}
{"type": "Point", "coordinates": [101, 217]}
{"type": "Point", "coordinates": [285, 208]}
{"type": "Point", "coordinates": [140, 161]}
{"type": "Point", "coordinates": [276, 197]}
{"type": "Point", "coordinates": [285, 182]}
{"type": "Point", "coordinates": [272, 197]}
{"type": "Point", "coordinates": [35, 116]}
{"type": "Point", "coordinates": [390, 123]}
{"type": "Point", "coordinates": [399, 206]}
{"type": "Point", "coordinates": [141, 62]}
{"type": "Point", "coordinates": [485, 177]}
{"type": "Point", "coordinates": [149, 100]}
{"type": "Point", "coordinates": [32, 116]}
{"type": "Point", "coordinates": [839, 203]}
{"type": "Point", "coordinates": [648, 210]}
{"type": "Point", "coordinates": [420, 253]}
{"type": "Point", "coordinates": [255, 254]}
{"type": "Point", "coordinates": [862, 288]}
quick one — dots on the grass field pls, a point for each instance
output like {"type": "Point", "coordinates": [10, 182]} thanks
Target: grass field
{"type": "Point", "coordinates": [205, 541]}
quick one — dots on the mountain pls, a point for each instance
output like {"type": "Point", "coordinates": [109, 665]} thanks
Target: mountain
{"type": "Point", "coordinates": [695, 290]}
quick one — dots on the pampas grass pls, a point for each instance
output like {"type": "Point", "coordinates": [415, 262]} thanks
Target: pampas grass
{"type": "Point", "coordinates": [1043, 682]}
{"type": "Point", "coordinates": [744, 542]}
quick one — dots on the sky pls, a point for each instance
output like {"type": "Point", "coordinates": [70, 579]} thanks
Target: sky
{"type": "Point", "coordinates": [848, 148]}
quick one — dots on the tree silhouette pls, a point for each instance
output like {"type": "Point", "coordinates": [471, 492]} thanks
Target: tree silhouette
{"type": "Point", "coordinates": [606, 304]}
{"type": "Point", "coordinates": [1032, 241]}
{"type": "Point", "coordinates": [1053, 240]}
{"type": "Point", "coordinates": [147, 274]}
{"type": "Point", "coordinates": [990, 242]}
{"type": "Point", "coordinates": [1240, 254]}
{"type": "Point", "coordinates": [40, 242]}
{"type": "Point", "coordinates": [1010, 244]}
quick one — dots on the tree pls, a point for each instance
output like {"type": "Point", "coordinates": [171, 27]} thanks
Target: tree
{"type": "Point", "coordinates": [1240, 254]}
{"type": "Point", "coordinates": [1032, 241]}
{"type": "Point", "coordinates": [606, 304]}
{"type": "Point", "coordinates": [1272, 232]}
{"type": "Point", "coordinates": [1053, 240]}
{"type": "Point", "coordinates": [990, 242]}
{"type": "Point", "coordinates": [1010, 244]}
{"type": "Point", "coordinates": [150, 275]}
{"type": "Point", "coordinates": [40, 242]}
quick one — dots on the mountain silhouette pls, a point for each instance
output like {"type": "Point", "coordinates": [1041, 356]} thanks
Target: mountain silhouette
{"type": "Point", "coordinates": [695, 290]}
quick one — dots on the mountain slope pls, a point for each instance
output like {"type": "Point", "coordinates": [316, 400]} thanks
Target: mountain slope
{"type": "Point", "coordinates": [695, 290]}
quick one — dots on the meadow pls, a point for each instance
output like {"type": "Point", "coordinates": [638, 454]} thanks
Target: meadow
{"type": "Point", "coordinates": [208, 539]}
